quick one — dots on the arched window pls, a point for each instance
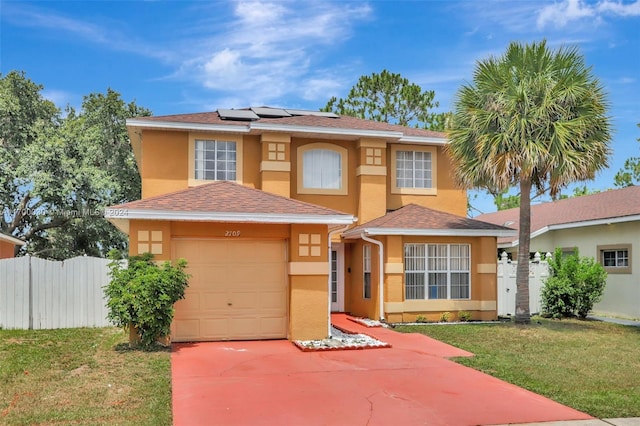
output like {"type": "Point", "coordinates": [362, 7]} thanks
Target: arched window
{"type": "Point", "coordinates": [322, 169]}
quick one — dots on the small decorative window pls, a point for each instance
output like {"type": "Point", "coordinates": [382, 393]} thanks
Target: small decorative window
{"type": "Point", "coordinates": [215, 160]}
{"type": "Point", "coordinates": [366, 268]}
{"type": "Point", "coordinates": [616, 259]}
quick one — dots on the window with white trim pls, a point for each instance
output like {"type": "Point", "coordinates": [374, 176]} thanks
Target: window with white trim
{"type": "Point", "coordinates": [215, 160]}
{"type": "Point", "coordinates": [413, 169]}
{"type": "Point", "coordinates": [366, 274]}
{"type": "Point", "coordinates": [437, 271]}
{"type": "Point", "coordinates": [616, 259]}
{"type": "Point", "coordinates": [321, 169]}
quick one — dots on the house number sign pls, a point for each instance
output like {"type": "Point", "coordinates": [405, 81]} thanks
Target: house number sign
{"type": "Point", "coordinates": [231, 233]}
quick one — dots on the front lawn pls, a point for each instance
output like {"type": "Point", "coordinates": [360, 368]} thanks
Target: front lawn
{"type": "Point", "coordinates": [588, 365]}
{"type": "Point", "coordinates": [81, 376]}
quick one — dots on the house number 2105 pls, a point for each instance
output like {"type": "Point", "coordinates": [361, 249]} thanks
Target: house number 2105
{"type": "Point", "coordinates": [231, 233]}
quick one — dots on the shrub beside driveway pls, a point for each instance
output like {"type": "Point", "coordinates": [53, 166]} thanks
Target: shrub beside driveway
{"type": "Point", "coordinates": [81, 376]}
{"type": "Point", "coordinates": [588, 365]}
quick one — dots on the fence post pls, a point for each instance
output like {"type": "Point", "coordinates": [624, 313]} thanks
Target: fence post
{"type": "Point", "coordinates": [30, 295]}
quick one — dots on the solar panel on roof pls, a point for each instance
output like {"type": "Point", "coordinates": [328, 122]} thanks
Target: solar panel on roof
{"type": "Point", "coordinates": [270, 112]}
{"type": "Point", "coordinates": [237, 114]}
{"type": "Point", "coordinates": [315, 113]}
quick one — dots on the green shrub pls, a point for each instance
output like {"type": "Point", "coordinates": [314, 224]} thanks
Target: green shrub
{"type": "Point", "coordinates": [445, 316]}
{"type": "Point", "coordinates": [421, 319]}
{"type": "Point", "coordinates": [142, 295]}
{"type": "Point", "coordinates": [464, 316]}
{"type": "Point", "coordinates": [573, 287]}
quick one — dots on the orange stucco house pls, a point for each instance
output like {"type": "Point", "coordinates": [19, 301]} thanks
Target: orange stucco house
{"type": "Point", "coordinates": [8, 245]}
{"type": "Point", "coordinates": [287, 215]}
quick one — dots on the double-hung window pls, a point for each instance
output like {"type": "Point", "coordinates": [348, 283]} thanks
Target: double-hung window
{"type": "Point", "coordinates": [215, 160]}
{"type": "Point", "coordinates": [437, 271]}
{"type": "Point", "coordinates": [413, 169]}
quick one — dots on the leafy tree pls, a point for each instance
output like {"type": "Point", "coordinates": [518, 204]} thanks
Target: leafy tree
{"type": "Point", "coordinates": [390, 98]}
{"type": "Point", "coordinates": [629, 175]}
{"type": "Point", "coordinates": [533, 117]}
{"type": "Point", "coordinates": [60, 172]}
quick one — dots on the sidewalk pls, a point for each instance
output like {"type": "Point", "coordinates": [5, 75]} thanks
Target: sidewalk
{"type": "Point", "coordinates": [631, 421]}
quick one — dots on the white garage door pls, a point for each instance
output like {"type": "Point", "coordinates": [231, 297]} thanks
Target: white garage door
{"type": "Point", "coordinates": [237, 290]}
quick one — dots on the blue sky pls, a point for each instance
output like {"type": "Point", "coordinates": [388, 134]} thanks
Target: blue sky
{"type": "Point", "coordinates": [181, 56]}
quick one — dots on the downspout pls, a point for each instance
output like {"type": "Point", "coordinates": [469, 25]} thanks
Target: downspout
{"type": "Point", "coordinates": [381, 274]}
{"type": "Point", "coordinates": [331, 234]}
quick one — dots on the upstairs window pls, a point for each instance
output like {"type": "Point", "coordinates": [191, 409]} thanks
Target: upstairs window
{"type": "Point", "coordinates": [413, 169]}
{"type": "Point", "coordinates": [322, 169]}
{"type": "Point", "coordinates": [215, 160]}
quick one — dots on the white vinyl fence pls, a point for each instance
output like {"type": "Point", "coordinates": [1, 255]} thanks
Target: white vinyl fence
{"type": "Point", "coordinates": [42, 294]}
{"type": "Point", "coordinates": [538, 272]}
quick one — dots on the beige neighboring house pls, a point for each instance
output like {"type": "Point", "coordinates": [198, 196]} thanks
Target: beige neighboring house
{"type": "Point", "coordinates": [605, 226]}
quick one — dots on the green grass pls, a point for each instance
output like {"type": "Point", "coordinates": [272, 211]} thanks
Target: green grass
{"type": "Point", "coordinates": [81, 376]}
{"type": "Point", "coordinates": [591, 366]}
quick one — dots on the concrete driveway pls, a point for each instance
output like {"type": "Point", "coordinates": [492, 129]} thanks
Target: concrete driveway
{"type": "Point", "coordinates": [411, 383]}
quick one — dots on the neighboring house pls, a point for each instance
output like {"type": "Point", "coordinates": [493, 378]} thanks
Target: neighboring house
{"type": "Point", "coordinates": [604, 226]}
{"type": "Point", "coordinates": [287, 215]}
{"type": "Point", "coordinates": [8, 245]}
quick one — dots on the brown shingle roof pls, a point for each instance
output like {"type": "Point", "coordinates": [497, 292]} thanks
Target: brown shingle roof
{"type": "Point", "coordinates": [342, 122]}
{"type": "Point", "coordinates": [413, 217]}
{"type": "Point", "coordinates": [612, 204]}
{"type": "Point", "coordinates": [224, 197]}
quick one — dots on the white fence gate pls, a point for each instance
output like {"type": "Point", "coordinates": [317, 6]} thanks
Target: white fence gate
{"type": "Point", "coordinates": [42, 294]}
{"type": "Point", "coordinates": [538, 272]}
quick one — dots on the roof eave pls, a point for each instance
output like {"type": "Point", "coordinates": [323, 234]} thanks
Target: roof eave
{"type": "Point", "coordinates": [573, 225]}
{"type": "Point", "coordinates": [172, 125]}
{"type": "Point", "coordinates": [425, 232]}
{"type": "Point", "coordinates": [272, 218]}
{"type": "Point", "coordinates": [326, 130]}
{"type": "Point", "coordinates": [12, 240]}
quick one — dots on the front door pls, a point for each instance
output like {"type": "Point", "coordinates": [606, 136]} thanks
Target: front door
{"type": "Point", "coordinates": [337, 277]}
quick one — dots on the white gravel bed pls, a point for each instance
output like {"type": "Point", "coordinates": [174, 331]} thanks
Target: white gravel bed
{"type": "Point", "coordinates": [341, 340]}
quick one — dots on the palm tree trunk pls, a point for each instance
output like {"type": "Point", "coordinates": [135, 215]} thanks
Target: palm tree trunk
{"type": "Point", "coordinates": [523, 316]}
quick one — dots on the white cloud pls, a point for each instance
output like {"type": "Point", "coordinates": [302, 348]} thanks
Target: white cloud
{"type": "Point", "coordinates": [267, 50]}
{"type": "Point", "coordinates": [568, 11]}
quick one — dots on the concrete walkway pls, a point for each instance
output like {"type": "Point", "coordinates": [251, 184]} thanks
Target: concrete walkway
{"type": "Point", "coordinates": [411, 383]}
{"type": "Point", "coordinates": [615, 320]}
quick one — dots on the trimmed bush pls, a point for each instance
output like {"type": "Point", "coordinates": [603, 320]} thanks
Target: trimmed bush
{"type": "Point", "coordinates": [574, 286]}
{"type": "Point", "coordinates": [142, 295]}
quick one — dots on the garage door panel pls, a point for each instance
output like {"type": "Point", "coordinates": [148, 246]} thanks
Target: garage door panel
{"type": "Point", "coordinates": [238, 290]}
{"type": "Point", "coordinates": [186, 329]}
{"type": "Point", "coordinates": [214, 301]}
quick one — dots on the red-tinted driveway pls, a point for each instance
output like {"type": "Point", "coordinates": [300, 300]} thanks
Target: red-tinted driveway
{"type": "Point", "coordinates": [274, 383]}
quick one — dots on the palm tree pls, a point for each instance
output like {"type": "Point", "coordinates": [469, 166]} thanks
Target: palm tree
{"type": "Point", "coordinates": [533, 117]}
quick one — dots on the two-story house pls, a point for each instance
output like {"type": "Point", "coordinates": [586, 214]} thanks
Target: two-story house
{"type": "Point", "coordinates": [286, 215]}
